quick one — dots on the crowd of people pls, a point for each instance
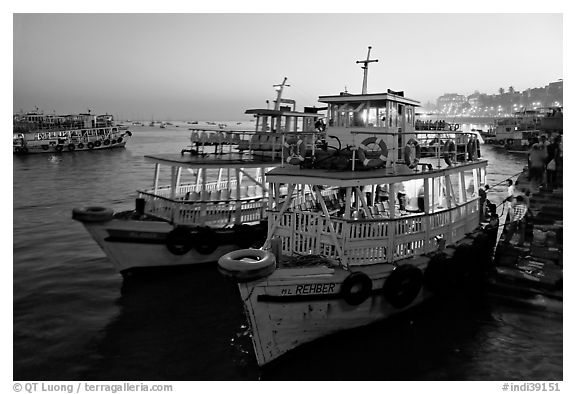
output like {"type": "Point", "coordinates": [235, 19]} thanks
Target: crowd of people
{"type": "Point", "coordinates": [543, 160]}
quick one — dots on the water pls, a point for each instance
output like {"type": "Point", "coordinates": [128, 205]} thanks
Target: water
{"type": "Point", "coordinates": [75, 318]}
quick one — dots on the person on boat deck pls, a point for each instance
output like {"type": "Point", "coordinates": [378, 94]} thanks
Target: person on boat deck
{"type": "Point", "coordinates": [518, 223]}
{"type": "Point", "coordinates": [401, 196]}
{"type": "Point", "coordinates": [382, 194]}
{"type": "Point", "coordinates": [482, 193]}
{"type": "Point", "coordinates": [421, 206]}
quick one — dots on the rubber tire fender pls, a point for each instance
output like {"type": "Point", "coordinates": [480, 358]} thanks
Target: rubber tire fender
{"type": "Point", "coordinates": [206, 241]}
{"type": "Point", "coordinates": [92, 214]}
{"type": "Point", "coordinates": [403, 285]}
{"type": "Point", "coordinates": [356, 288]}
{"type": "Point", "coordinates": [179, 241]}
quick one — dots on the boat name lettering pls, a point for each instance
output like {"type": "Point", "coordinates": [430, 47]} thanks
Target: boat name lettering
{"type": "Point", "coordinates": [312, 288]}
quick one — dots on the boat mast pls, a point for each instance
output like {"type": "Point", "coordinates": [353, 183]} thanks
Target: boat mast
{"type": "Point", "coordinates": [365, 67]}
{"type": "Point", "coordinates": [279, 98]}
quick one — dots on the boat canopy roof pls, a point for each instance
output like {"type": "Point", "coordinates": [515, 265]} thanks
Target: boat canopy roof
{"type": "Point", "coordinates": [344, 98]}
{"type": "Point", "coordinates": [227, 160]}
{"type": "Point", "coordinates": [273, 112]}
{"type": "Point", "coordinates": [393, 174]}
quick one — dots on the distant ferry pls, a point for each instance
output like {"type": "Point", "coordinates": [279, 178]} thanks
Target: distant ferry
{"type": "Point", "coordinates": [35, 132]}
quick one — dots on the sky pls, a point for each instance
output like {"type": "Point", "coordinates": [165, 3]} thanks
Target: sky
{"type": "Point", "coordinates": [173, 66]}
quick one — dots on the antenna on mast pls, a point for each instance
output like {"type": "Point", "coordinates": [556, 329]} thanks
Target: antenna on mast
{"type": "Point", "coordinates": [279, 98]}
{"type": "Point", "coordinates": [365, 67]}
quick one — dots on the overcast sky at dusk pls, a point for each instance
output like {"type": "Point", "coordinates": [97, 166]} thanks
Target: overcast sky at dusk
{"type": "Point", "coordinates": [214, 66]}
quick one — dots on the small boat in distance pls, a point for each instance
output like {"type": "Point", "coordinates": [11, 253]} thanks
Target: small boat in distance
{"type": "Point", "coordinates": [35, 132]}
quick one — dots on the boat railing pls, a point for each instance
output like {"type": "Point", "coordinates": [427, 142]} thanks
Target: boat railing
{"type": "Point", "coordinates": [372, 241]}
{"type": "Point", "coordinates": [207, 211]}
{"type": "Point", "coordinates": [269, 144]}
{"type": "Point", "coordinates": [433, 146]}
{"type": "Point", "coordinates": [193, 191]}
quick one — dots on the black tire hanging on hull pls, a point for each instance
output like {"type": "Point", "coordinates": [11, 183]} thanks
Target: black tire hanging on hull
{"type": "Point", "coordinates": [403, 285]}
{"type": "Point", "coordinates": [356, 288]}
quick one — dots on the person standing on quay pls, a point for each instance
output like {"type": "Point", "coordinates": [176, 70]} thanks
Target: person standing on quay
{"type": "Point", "coordinates": [482, 193]}
{"type": "Point", "coordinates": [518, 223]}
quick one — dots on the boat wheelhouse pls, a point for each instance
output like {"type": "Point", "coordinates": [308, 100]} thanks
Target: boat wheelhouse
{"type": "Point", "coordinates": [203, 202]}
{"type": "Point", "coordinates": [35, 132]}
{"type": "Point", "coordinates": [360, 233]}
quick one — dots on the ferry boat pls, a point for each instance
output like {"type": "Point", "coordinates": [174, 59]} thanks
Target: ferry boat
{"type": "Point", "coordinates": [361, 233]}
{"type": "Point", "coordinates": [518, 133]}
{"type": "Point", "coordinates": [35, 132]}
{"type": "Point", "coordinates": [204, 201]}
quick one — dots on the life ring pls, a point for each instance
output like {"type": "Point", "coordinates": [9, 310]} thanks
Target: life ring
{"type": "Point", "coordinates": [90, 145]}
{"type": "Point", "coordinates": [373, 162]}
{"type": "Point", "coordinates": [81, 146]}
{"type": "Point", "coordinates": [247, 264]}
{"type": "Point", "coordinates": [403, 285]}
{"type": "Point", "coordinates": [92, 214]}
{"type": "Point", "coordinates": [179, 241]}
{"type": "Point", "coordinates": [456, 126]}
{"type": "Point", "coordinates": [113, 142]}
{"type": "Point", "coordinates": [294, 151]}
{"type": "Point", "coordinates": [500, 142]}
{"type": "Point", "coordinates": [119, 140]}
{"type": "Point", "coordinates": [412, 153]}
{"type": "Point", "coordinates": [71, 147]}
{"type": "Point", "coordinates": [45, 147]}
{"type": "Point", "coordinates": [106, 142]}
{"type": "Point", "coordinates": [472, 149]}
{"type": "Point", "coordinates": [449, 152]}
{"type": "Point", "coordinates": [356, 288]}
{"type": "Point", "coordinates": [59, 148]}
{"type": "Point", "coordinates": [509, 142]}
{"type": "Point", "coordinates": [97, 144]}
{"type": "Point", "coordinates": [18, 149]}
{"type": "Point", "coordinates": [128, 133]}
{"type": "Point", "coordinates": [205, 241]}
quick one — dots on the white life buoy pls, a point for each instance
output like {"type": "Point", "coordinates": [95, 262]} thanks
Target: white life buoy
{"type": "Point", "coordinates": [294, 151]}
{"type": "Point", "coordinates": [376, 161]}
{"type": "Point", "coordinates": [247, 264]}
{"type": "Point", "coordinates": [412, 153]}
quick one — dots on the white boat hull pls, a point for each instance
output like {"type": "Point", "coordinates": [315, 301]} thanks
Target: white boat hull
{"type": "Point", "coordinates": [131, 244]}
{"type": "Point", "coordinates": [296, 306]}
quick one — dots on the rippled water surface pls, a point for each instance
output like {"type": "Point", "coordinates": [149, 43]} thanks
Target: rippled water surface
{"type": "Point", "coordinates": [75, 318]}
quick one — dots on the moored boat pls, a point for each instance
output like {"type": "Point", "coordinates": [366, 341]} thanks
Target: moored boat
{"type": "Point", "coordinates": [356, 235]}
{"type": "Point", "coordinates": [35, 132]}
{"type": "Point", "coordinates": [202, 203]}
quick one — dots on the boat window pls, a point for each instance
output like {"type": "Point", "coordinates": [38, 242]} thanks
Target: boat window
{"type": "Point", "coordinates": [392, 114]}
{"type": "Point", "coordinates": [377, 116]}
